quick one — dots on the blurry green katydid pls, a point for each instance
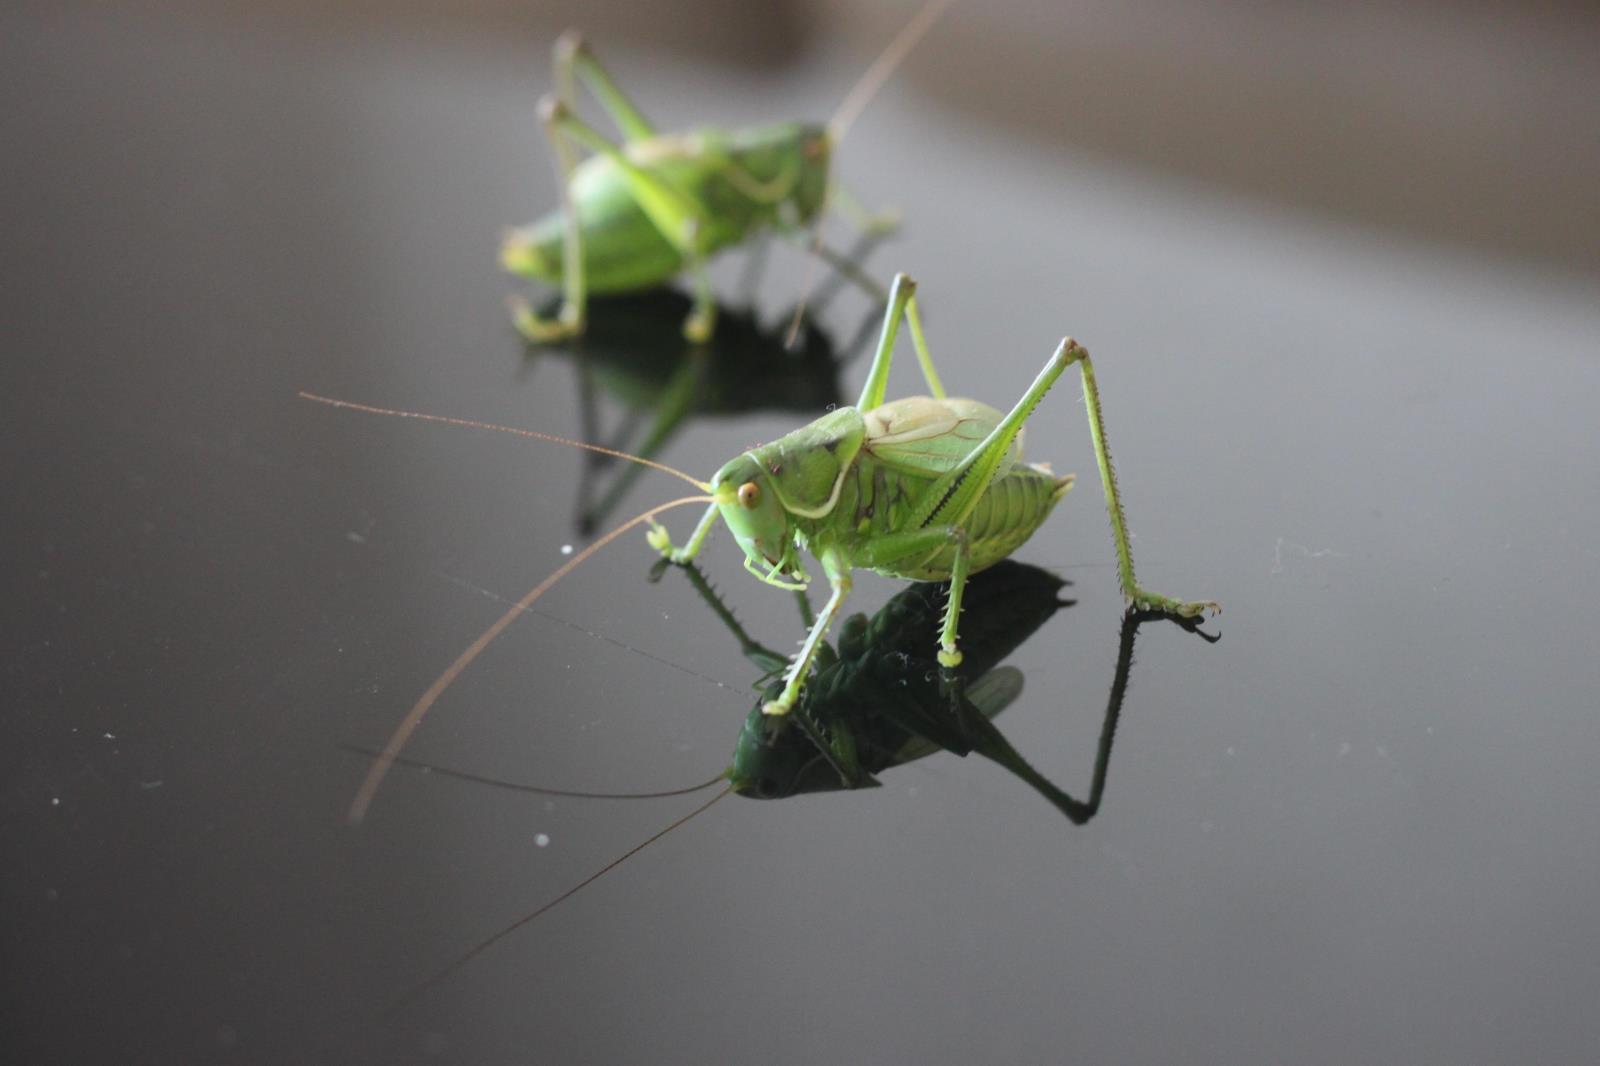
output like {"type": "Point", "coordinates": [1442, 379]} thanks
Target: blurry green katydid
{"type": "Point", "coordinates": [638, 213]}
{"type": "Point", "coordinates": [928, 488]}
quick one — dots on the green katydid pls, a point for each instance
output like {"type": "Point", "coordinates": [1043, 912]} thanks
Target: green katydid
{"type": "Point", "coordinates": [928, 488]}
{"type": "Point", "coordinates": [636, 214]}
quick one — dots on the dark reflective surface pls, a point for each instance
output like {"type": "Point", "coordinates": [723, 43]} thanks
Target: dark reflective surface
{"type": "Point", "coordinates": [1359, 828]}
{"type": "Point", "coordinates": [634, 355]}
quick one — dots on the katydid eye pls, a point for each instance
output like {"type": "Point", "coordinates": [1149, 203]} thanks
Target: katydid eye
{"type": "Point", "coordinates": [749, 494]}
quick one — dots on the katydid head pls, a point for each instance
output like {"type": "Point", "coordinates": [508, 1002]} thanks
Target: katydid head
{"type": "Point", "coordinates": [753, 511]}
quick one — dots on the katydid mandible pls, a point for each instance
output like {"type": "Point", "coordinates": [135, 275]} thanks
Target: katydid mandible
{"type": "Point", "coordinates": [928, 488]}
{"type": "Point", "coordinates": [636, 214]}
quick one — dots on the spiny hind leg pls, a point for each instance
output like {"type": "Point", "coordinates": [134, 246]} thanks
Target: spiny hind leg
{"type": "Point", "coordinates": [573, 56]}
{"type": "Point", "coordinates": [569, 319]}
{"type": "Point", "coordinates": [902, 302]}
{"type": "Point", "coordinates": [1140, 597]}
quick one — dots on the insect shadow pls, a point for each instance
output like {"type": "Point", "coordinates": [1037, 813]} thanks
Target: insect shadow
{"type": "Point", "coordinates": [879, 700]}
{"type": "Point", "coordinates": [634, 355]}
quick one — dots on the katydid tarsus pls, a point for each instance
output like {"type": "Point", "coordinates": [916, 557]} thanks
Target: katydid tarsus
{"type": "Point", "coordinates": [637, 213]}
{"type": "Point", "coordinates": [877, 702]}
{"type": "Point", "coordinates": [928, 488]}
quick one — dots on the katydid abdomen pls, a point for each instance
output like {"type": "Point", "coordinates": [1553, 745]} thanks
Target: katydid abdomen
{"type": "Point", "coordinates": [1016, 504]}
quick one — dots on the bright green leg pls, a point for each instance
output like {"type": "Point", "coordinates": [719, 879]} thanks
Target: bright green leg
{"type": "Point", "coordinates": [1140, 597]}
{"type": "Point", "coordinates": [661, 540]}
{"type": "Point", "coordinates": [838, 571]}
{"type": "Point", "coordinates": [573, 55]}
{"type": "Point", "coordinates": [902, 301]}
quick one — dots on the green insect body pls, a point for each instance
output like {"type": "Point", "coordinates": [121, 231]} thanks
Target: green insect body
{"type": "Point", "coordinates": [641, 210]}
{"type": "Point", "coordinates": [728, 186]}
{"type": "Point", "coordinates": [928, 488]}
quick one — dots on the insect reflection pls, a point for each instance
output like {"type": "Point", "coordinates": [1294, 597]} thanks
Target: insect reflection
{"type": "Point", "coordinates": [880, 700]}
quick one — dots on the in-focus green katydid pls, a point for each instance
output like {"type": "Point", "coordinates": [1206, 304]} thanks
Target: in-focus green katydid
{"type": "Point", "coordinates": [878, 701]}
{"type": "Point", "coordinates": [636, 214]}
{"type": "Point", "coordinates": [928, 488]}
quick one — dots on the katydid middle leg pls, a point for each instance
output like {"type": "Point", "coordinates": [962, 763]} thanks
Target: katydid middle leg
{"type": "Point", "coordinates": [902, 302]}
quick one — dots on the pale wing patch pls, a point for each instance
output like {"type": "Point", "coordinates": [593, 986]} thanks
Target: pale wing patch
{"type": "Point", "coordinates": [924, 435]}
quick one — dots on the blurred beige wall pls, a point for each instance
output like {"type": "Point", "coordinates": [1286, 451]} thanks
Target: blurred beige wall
{"type": "Point", "coordinates": [1455, 120]}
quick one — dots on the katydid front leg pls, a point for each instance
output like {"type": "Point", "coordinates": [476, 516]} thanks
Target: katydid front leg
{"type": "Point", "coordinates": [574, 295]}
{"type": "Point", "coordinates": [661, 540]}
{"type": "Point", "coordinates": [838, 570]}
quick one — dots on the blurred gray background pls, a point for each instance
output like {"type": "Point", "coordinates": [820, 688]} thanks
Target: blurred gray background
{"type": "Point", "coordinates": [1463, 121]}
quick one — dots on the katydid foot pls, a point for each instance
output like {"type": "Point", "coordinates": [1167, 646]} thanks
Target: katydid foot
{"type": "Point", "coordinates": [538, 329]}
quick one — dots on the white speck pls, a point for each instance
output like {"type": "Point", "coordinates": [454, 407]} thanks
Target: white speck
{"type": "Point", "coordinates": [1430, 730]}
{"type": "Point", "coordinates": [566, 549]}
{"type": "Point", "coordinates": [1383, 752]}
{"type": "Point", "coordinates": [148, 785]}
{"type": "Point", "coordinates": [55, 801]}
{"type": "Point", "coordinates": [109, 736]}
{"type": "Point", "coordinates": [1230, 753]}
{"type": "Point", "coordinates": [541, 840]}
{"type": "Point", "coordinates": [355, 538]}
{"type": "Point", "coordinates": [1344, 749]}
{"type": "Point", "coordinates": [1207, 826]}
{"type": "Point", "coordinates": [549, 805]}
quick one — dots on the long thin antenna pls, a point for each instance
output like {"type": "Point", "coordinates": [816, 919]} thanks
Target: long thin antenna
{"type": "Point", "coordinates": [864, 90]}
{"type": "Point", "coordinates": [408, 725]}
{"type": "Point", "coordinates": [514, 431]}
{"type": "Point", "coordinates": [537, 790]}
{"type": "Point", "coordinates": [485, 945]}
{"type": "Point", "coordinates": [856, 101]}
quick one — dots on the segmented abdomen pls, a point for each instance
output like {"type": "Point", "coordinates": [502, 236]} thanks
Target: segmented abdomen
{"type": "Point", "coordinates": [1006, 515]}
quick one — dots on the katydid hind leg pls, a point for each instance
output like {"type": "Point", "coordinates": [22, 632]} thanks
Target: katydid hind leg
{"type": "Point", "coordinates": [1140, 597]}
